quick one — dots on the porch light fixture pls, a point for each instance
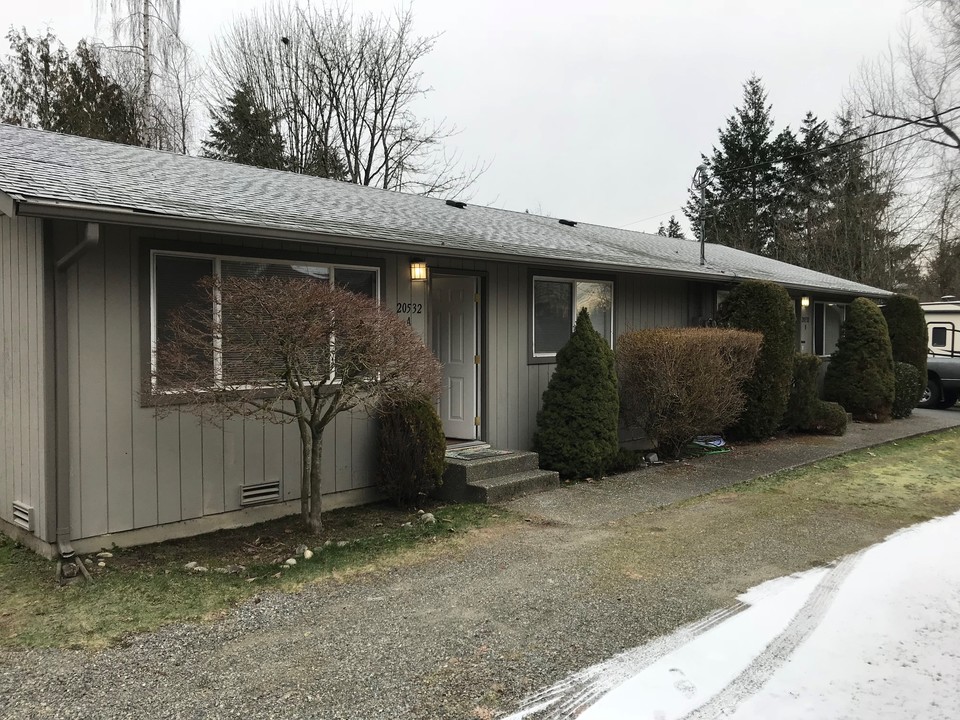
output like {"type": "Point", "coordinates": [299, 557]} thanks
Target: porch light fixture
{"type": "Point", "coordinates": [418, 269]}
{"type": "Point", "coordinates": [805, 301]}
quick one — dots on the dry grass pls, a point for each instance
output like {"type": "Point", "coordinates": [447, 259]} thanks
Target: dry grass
{"type": "Point", "coordinates": [142, 588]}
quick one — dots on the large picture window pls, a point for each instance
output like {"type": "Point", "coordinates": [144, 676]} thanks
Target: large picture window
{"type": "Point", "coordinates": [174, 278]}
{"type": "Point", "coordinates": [556, 302]}
{"type": "Point", "coordinates": [827, 319]}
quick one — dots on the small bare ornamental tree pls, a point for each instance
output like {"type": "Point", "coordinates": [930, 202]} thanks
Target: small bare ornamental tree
{"type": "Point", "coordinates": [290, 350]}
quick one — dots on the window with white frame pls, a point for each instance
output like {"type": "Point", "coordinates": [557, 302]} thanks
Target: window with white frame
{"type": "Point", "coordinates": [174, 278]}
{"type": "Point", "coordinates": [556, 302]}
{"type": "Point", "coordinates": [827, 319]}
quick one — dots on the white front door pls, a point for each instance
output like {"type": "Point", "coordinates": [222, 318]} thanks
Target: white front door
{"type": "Point", "coordinates": [453, 337]}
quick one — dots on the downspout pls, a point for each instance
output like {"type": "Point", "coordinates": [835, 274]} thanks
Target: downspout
{"type": "Point", "coordinates": [68, 564]}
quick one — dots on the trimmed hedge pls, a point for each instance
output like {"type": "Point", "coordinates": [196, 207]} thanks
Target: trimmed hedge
{"type": "Point", "coordinates": [411, 451]}
{"type": "Point", "coordinates": [806, 412]}
{"type": "Point", "coordinates": [804, 400]}
{"type": "Point", "coordinates": [860, 375]}
{"type": "Point", "coordinates": [829, 419]}
{"type": "Point", "coordinates": [909, 389]}
{"type": "Point", "coordinates": [907, 326]}
{"type": "Point", "coordinates": [578, 426]}
{"type": "Point", "coordinates": [677, 383]}
{"type": "Point", "coordinates": [763, 307]}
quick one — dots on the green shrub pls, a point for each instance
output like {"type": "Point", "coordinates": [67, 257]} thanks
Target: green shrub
{"type": "Point", "coordinates": [860, 374]}
{"type": "Point", "coordinates": [577, 428]}
{"type": "Point", "coordinates": [804, 400]}
{"type": "Point", "coordinates": [411, 451]}
{"type": "Point", "coordinates": [763, 307]}
{"type": "Point", "coordinates": [677, 383]}
{"type": "Point", "coordinates": [626, 460]}
{"type": "Point", "coordinates": [828, 419]}
{"type": "Point", "coordinates": [806, 412]}
{"type": "Point", "coordinates": [909, 389]}
{"type": "Point", "coordinates": [907, 326]}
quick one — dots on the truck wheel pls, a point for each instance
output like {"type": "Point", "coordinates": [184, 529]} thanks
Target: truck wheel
{"type": "Point", "coordinates": [931, 394]}
{"type": "Point", "coordinates": [948, 399]}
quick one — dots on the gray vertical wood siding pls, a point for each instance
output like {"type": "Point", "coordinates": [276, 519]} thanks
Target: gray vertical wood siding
{"type": "Point", "coordinates": [131, 469]}
{"type": "Point", "coordinates": [23, 392]}
{"type": "Point", "coordinates": [514, 387]}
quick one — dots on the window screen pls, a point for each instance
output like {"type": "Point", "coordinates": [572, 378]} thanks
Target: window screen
{"type": "Point", "coordinates": [362, 282]}
{"type": "Point", "coordinates": [175, 279]}
{"type": "Point", "coordinates": [556, 303]}
{"type": "Point", "coordinates": [552, 315]}
{"type": "Point", "coordinates": [175, 285]}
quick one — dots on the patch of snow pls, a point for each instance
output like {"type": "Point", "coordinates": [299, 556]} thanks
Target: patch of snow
{"type": "Point", "coordinates": [875, 636]}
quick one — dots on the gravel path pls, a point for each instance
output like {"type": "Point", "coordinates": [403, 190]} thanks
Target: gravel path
{"type": "Point", "coordinates": [466, 629]}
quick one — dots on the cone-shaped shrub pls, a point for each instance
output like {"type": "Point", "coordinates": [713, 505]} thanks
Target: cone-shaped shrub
{"type": "Point", "coordinates": [860, 375]}
{"type": "Point", "coordinates": [411, 451]}
{"type": "Point", "coordinates": [766, 308]}
{"type": "Point", "coordinates": [908, 331]}
{"type": "Point", "coordinates": [577, 429]}
{"type": "Point", "coordinates": [909, 389]}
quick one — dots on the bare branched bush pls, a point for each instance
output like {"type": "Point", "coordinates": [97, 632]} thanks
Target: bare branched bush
{"type": "Point", "coordinates": [289, 350]}
{"type": "Point", "coordinates": [676, 383]}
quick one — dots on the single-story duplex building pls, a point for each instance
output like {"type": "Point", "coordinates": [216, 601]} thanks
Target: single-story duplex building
{"type": "Point", "coordinates": [98, 241]}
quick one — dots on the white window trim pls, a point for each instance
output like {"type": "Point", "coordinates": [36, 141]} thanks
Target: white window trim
{"type": "Point", "coordinates": [573, 322]}
{"type": "Point", "coordinates": [217, 259]}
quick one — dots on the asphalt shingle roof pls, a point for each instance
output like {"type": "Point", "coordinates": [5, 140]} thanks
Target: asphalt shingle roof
{"type": "Point", "coordinates": [45, 167]}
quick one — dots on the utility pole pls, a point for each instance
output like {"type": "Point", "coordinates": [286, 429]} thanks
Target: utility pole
{"type": "Point", "coordinates": [700, 181]}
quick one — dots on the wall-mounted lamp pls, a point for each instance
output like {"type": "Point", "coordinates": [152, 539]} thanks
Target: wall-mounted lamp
{"type": "Point", "coordinates": [418, 269]}
{"type": "Point", "coordinates": [805, 302]}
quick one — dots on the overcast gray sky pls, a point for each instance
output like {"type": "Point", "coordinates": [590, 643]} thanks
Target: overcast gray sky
{"type": "Point", "coordinates": [594, 111]}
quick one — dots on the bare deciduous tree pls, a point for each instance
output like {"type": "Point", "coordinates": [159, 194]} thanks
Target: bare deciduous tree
{"type": "Point", "coordinates": [290, 350]}
{"type": "Point", "coordinates": [343, 89]}
{"type": "Point", "coordinates": [918, 82]}
{"type": "Point", "coordinates": [154, 65]}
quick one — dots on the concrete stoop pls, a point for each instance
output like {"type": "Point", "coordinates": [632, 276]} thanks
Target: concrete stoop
{"type": "Point", "coordinates": [497, 478]}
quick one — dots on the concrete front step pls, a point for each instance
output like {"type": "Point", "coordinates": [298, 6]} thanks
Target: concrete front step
{"type": "Point", "coordinates": [496, 466]}
{"type": "Point", "coordinates": [494, 479]}
{"type": "Point", "coordinates": [507, 487]}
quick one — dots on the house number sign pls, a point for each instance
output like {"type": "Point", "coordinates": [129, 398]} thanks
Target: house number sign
{"type": "Point", "coordinates": [409, 308]}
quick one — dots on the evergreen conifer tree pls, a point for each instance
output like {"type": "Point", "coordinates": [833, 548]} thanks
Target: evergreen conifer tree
{"type": "Point", "coordinates": [763, 307]}
{"type": "Point", "coordinates": [577, 429]}
{"type": "Point", "coordinates": [673, 228]}
{"type": "Point", "coordinates": [242, 132]}
{"type": "Point", "coordinates": [908, 331]}
{"type": "Point", "coordinates": [860, 374]}
{"type": "Point", "coordinates": [741, 188]}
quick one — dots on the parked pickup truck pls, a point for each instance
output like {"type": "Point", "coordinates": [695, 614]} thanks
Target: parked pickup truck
{"type": "Point", "coordinates": [943, 382]}
{"type": "Point", "coordinates": [943, 361]}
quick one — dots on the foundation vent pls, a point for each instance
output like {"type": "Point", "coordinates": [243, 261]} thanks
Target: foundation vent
{"type": "Point", "coordinates": [23, 516]}
{"type": "Point", "coordinates": [261, 493]}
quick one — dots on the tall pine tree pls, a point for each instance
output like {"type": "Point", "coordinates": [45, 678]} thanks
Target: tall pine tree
{"type": "Point", "coordinates": [245, 133]}
{"type": "Point", "coordinates": [741, 189]}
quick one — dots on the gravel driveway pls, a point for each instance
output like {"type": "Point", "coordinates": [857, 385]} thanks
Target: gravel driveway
{"type": "Point", "coordinates": [460, 630]}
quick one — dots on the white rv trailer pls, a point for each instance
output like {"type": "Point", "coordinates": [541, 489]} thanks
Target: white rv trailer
{"type": "Point", "coordinates": [943, 326]}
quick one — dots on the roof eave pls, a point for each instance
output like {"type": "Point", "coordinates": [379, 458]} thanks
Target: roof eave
{"type": "Point", "coordinates": [55, 209]}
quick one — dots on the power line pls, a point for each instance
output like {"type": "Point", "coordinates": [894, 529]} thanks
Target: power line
{"type": "Point", "coordinates": [652, 217]}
